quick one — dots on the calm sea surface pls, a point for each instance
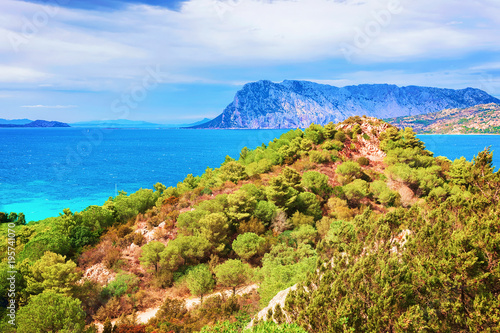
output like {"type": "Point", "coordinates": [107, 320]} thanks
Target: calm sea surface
{"type": "Point", "coordinates": [43, 171]}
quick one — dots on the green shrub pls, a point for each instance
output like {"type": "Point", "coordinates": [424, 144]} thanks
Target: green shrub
{"type": "Point", "coordinates": [382, 193]}
{"type": "Point", "coordinates": [283, 267]}
{"type": "Point", "coordinates": [265, 211]}
{"type": "Point", "coordinates": [120, 285]}
{"type": "Point", "coordinates": [319, 157]}
{"type": "Point", "coordinates": [233, 171]}
{"type": "Point", "coordinates": [309, 204]}
{"type": "Point", "coordinates": [340, 136]}
{"type": "Point", "coordinates": [348, 171]}
{"type": "Point", "coordinates": [315, 133]}
{"type": "Point", "coordinates": [316, 182]}
{"type": "Point", "coordinates": [356, 129]}
{"type": "Point", "coordinates": [339, 209]}
{"type": "Point", "coordinates": [298, 219]}
{"type": "Point", "coordinates": [248, 245]}
{"type": "Point", "coordinates": [356, 190]}
{"type": "Point", "coordinates": [51, 312]}
{"type": "Point", "coordinates": [363, 161]}
{"type": "Point", "coordinates": [333, 145]}
{"type": "Point", "coordinates": [330, 130]}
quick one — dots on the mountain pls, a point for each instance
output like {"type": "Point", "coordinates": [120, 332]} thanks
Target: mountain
{"type": "Point", "coordinates": [118, 123]}
{"type": "Point", "coordinates": [292, 104]}
{"type": "Point", "coordinates": [14, 121]}
{"type": "Point", "coordinates": [125, 123]}
{"type": "Point", "coordinates": [201, 122]}
{"type": "Point", "coordinates": [483, 119]}
{"type": "Point", "coordinates": [38, 123]}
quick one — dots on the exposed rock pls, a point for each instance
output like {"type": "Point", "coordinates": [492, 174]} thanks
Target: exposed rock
{"type": "Point", "coordinates": [293, 104]}
{"type": "Point", "coordinates": [370, 148]}
{"type": "Point", "coordinates": [99, 273]}
{"type": "Point", "coordinates": [278, 299]}
{"type": "Point", "coordinates": [156, 233]}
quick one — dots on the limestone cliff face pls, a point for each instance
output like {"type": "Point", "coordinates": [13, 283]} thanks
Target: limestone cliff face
{"type": "Point", "coordinates": [292, 104]}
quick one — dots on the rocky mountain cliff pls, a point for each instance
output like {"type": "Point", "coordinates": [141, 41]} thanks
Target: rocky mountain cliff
{"type": "Point", "coordinates": [292, 104]}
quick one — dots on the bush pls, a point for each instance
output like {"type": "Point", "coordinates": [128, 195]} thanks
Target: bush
{"type": "Point", "coordinates": [123, 231]}
{"type": "Point", "coordinates": [122, 284]}
{"type": "Point", "coordinates": [333, 145]}
{"type": "Point", "coordinates": [233, 171]}
{"type": "Point", "coordinates": [315, 133]}
{"type": "Point", "coordinates": [382, 193]}
{"type": "Point", "coordinates": [348, 171]}
{"type": "Point", "coordinates": [363, 161]}
{"type": "Point", "coordinates": [356, 190]}
{"type": "Point", "coordinates": [319, 157]}
{"type": "Point", "coordinates": [129, 328]}
{"type": "Point", "coordinates": [265, 211]}
{"type": "Point", "coordinates": [248, 245]}
{"type": "Point", "coordinates": [298, 219]}
{"type": "Point", "coordinates": [52, 312]}
{"type": "Point", "coordinates": [316, 182]}
{"type": "Point", "coordinates": [339, 209]}
{"type": "Point", "coordinates": [340, 136]}
{"type": "Point", "coordinates": [283, 267]}
{"type": "Point", "coordinates": [309, 204]}
{"type": "Point", "coordinates": [329, 130]}
{"type": "Point", "coordinates": [112, 256]}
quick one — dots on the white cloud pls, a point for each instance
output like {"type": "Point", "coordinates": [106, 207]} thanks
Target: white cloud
{"type": "Point", "coordinates": [50, 106]}
{"type": "Point", "coordinates": [19, 74]}
{"type": "Point", "coordinates": [81, 49]}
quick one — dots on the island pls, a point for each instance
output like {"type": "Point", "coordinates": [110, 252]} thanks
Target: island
{"type": "Point", "coordinates": [37, 123]}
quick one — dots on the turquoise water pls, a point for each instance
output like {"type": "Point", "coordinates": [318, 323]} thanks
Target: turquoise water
{"type": "Point", "coordinates": [43, 171]}
{"type": "Point", "coordinates": [456, 146]}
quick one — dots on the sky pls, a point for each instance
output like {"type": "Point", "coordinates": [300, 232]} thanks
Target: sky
{"type": "Point", "coordinates": [181, 61]}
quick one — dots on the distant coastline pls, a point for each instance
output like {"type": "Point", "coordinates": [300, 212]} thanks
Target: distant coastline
{"type": "Point", "coordinates": [36, 124]}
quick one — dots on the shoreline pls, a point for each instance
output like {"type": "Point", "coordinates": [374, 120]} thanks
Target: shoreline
{"type": "Point", "coordinates": [457, 134]}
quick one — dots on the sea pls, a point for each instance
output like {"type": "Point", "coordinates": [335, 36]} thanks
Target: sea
{"type": "Point", "coordinates": [44, 170]}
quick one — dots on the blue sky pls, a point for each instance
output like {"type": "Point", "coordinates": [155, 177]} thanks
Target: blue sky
{"type": "Point", "coordinates": [177, 61]}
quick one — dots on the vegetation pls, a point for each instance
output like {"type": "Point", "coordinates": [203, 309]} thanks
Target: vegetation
{"type": "Point", "coordinates": [403, 243]}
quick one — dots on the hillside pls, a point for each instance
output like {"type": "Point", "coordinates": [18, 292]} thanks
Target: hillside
{"type": "Point", "coordinates": [373, 232]}
{"type": "Point", "coordinates": [14, 121]}
{"type": "Point", "coordinates": [296, 104]}
{"type": "Point", "coordinates": [480, 119]}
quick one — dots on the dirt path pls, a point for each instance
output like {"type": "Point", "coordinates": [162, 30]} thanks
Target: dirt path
{"type": "Point", "coordinates": [144, 316]}
{"type": "Point", "coordinates": [193, 301]}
